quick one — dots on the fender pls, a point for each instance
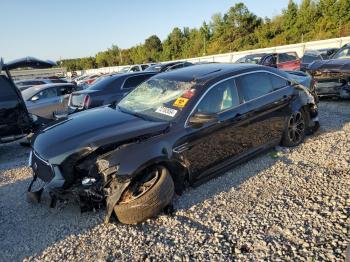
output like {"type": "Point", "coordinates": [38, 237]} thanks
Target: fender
{"type": "Point", "coordinates": [132, 158]}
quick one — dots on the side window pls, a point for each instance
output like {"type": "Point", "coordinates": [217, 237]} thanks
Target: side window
{"type": "Point", "coordinates": [135, 69]}
{"type": "Point", "coordinates": [309, 59]}
{"type": "Point", "coordinates": [221, 97]}
{"type": "Point", "coordinates": [64, 90]}
{"type": "Point", "coordinates": [254, 85]}
{"type": "Point", "coordinates": [144, 67]}
{"type": "Point", "coordinates": [270, 60]}
{"type": "Point", "coordinates": [282, 58]}
{"type": "Point", "coordinates": [292, 56]}
{"type": "Point", "coordinates": [278, 82]}
{"type": "Point", "coordinates": [134, 81]}
{"type": "Point", "coordinates": [7, 90]}
{"type": "Point", "coordinates": [47, 93]}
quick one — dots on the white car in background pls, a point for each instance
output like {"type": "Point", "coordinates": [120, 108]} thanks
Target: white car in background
{"type": "Point", "coordinates": [135, 68]}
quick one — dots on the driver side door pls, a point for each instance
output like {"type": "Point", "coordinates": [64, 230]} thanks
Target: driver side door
{"type": "Point", "coordinates": [216, 144]}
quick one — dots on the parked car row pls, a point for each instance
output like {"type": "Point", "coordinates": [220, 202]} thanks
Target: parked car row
{"type": "Point", "coordinates": [284, 61]}
{"type": "Point", "coordinates": [329, 68]}
{"type": "Point", "coordinates": [332, 76]}
{"type": "Point", "coordinates": [25, 84]}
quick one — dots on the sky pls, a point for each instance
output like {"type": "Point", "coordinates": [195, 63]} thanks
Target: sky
{"type": "Point", "coordinates": [59, 29]}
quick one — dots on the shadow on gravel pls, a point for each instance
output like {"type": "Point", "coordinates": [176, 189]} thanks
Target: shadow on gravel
{"type": "Point", "coordinates": [27, 229]}
{"type": "Point", "coordinates": [333, 116]}
{"type": "Point", "coordinates": [228, 181]}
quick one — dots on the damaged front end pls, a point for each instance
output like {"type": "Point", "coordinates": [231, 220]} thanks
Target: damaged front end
{"type": "Point", "coordinates": [85, 176]}
{"type": "Point", "coordinates": [332, 77]}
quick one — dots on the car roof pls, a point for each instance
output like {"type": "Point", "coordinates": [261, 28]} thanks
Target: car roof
{"type": "Point", "coordinates": [205, 72]}
{"type": "Point", "coordinates": [29, 92]}
{"type": "Point", "coordinates": [258, 54]}
{"type": "Point", "coordinates": [117, 75]}
{"type": "Point", "coordinates": [45, 86]}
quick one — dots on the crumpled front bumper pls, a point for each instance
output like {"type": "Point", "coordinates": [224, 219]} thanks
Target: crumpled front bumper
{"type": "Point", "coordinates": [55, 182]}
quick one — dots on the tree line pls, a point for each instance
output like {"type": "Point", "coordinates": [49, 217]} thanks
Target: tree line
{"type": "Point", "coordinates": [237, 30]}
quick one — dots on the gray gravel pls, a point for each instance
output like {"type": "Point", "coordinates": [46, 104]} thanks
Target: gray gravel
{"type": "Point", "coordinates": [289, 204]}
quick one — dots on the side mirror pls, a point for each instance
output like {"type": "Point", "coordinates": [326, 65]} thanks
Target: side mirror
{"type": "Point", "coordinates": [34, 98]}
{"type": "Point", "coordinates": [198, 119]}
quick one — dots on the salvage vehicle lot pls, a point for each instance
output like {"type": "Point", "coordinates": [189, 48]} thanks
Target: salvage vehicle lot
{"type": "Point", "coordinates": [290, 203]}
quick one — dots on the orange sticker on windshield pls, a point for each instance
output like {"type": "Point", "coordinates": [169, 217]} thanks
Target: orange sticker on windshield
{"type": "Point", "coordinates": [181, 102]}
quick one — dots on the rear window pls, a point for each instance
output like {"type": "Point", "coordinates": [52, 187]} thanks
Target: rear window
{"type": "Point", "coordinates": [286, 57]}
{"type": "Point", "coordinates": [134, 81]}
{"type": "Point", "coordinates": [310, 58]}
{"type": "Point", "coordinates": [144, 67]}
{"type": "Point", "coordinates": [105, 83]}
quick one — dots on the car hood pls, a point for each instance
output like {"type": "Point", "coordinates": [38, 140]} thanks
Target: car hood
{"type": "Point", "coordinates": [91, 129]}
{"type": "Point", "coordinates": [28, 62]}
{"type": "Point", "coordinates": [332, 65]}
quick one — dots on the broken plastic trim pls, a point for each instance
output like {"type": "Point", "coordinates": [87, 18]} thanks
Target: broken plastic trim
{"type": "Point", "coordinates": [115, 192]}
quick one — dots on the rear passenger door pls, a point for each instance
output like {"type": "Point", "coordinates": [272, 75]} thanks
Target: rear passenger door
{"type": "Point", "coordinates": [267, 97]}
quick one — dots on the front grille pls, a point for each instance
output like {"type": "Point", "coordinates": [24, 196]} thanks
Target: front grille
{"type": "Point", "coordinates": [41, 168]}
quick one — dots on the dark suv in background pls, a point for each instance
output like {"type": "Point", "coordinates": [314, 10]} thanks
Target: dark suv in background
{"type": "Point", "coordinates": [316, 55]}
{"type": "Point", "coordinates": [332, 76]}
{"type": "Point", "coordinates": [108, 89]}
{"type": "Point", "coordinates": [15, 120]}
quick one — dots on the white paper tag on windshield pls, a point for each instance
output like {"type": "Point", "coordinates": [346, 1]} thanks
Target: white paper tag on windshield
{"type": "Point", "coordinates": [166, 111]}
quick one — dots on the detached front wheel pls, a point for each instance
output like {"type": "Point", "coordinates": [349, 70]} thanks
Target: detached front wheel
{"type": "Point", "coordinates": [295, 129]}
{"type": "Point", "coordinates": [146, 197]}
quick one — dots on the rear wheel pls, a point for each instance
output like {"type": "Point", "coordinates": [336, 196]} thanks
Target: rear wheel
{"type": "Point", "coordinates": [146, 197]}
{"type": "Point", "coordinates": [295, 130]}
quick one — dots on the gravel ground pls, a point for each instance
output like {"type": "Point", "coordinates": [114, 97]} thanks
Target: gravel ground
{"type": "Point", "coordinates": [289, 204]}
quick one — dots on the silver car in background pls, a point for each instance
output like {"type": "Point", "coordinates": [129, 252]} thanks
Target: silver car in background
{"type": "Point", "coordinates": [46, 100]}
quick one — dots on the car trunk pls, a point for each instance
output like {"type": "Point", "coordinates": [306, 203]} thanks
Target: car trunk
{"type": "Point", "coordinates": [15, 119]}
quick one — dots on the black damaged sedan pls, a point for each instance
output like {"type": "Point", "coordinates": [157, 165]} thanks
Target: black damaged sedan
{"type": "Point", "coordinates": [177, 128]}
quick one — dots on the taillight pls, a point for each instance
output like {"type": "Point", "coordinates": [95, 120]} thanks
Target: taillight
{"type": "Point", "coordinates": [86, 102]}
{"type": "Point", "coordinates": [90, 81]}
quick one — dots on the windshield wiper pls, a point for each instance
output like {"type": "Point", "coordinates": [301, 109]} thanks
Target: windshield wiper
{"type": "Point", "coordinates": [134, 114]}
